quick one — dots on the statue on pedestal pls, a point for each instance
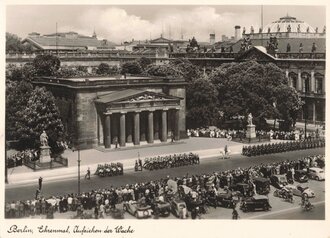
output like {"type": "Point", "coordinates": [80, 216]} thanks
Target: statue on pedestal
{"type": "Point", "coordinates": [44, 149]}
{"type": "Point", "coordinates": [250, 117]}
{"type": "Point", "coordinates": [43, 139]}
{"type": "Point", "coordinates": [250, 129]}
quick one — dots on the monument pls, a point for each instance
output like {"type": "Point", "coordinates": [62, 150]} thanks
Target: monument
{"type": "Point", "coordinates": [251, 129]}
{"type": "Point", "coordinates": [44, 149]}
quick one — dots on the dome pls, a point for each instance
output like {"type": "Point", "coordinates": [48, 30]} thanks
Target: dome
{"type": "Point", "coordinates": [283, 24]}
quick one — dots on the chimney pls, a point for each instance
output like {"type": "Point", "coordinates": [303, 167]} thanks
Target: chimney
{"type": "Point", "coordinates": [212, 38]}
{"type": "Point", "coordinates": [238, 33]}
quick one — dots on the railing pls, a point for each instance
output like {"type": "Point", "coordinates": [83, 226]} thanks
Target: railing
{"type": "Point", "coordinates": [35, 165]}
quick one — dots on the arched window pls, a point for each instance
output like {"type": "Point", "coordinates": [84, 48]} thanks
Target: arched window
{"type": "Point", "coordinates": [306, 82]}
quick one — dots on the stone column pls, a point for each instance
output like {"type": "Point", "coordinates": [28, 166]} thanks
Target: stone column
{"type": "Point", "coordinates": [177, 125]}
{"type": "Point", "coordinates": [314, 111]}
{"type": "Point", "coordinates": [156, 125]}
{"type": "Point", "coordinates": [164, 126]}
{"type": "Point", "coordinates": [312, 82]}
{"type": "Point", "coordinates": [136, 128]}
{"type": "Point", "coordinates": [150, 127]}
{"type": "Point", "coordinates": [129, 128]}
{"type": "Point", "coordinates": [107, 131]}
{"type": "Point", "coordinates": [122, 140]}
{"type": "Point", "coordinates": [299, 83]}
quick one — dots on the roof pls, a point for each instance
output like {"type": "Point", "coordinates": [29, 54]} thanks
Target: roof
{"type": "Point", "coordinates": [118, 95]}
{"type": "Point", "coordinates": [48, 42]}
{"type": "Point", "coordinates": [161, 40]}
{"type": "Point", "coordinates": [283, 23]}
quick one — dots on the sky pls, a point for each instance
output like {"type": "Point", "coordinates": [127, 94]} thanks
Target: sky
{"type": "Point", "coordinates": [119, 23]}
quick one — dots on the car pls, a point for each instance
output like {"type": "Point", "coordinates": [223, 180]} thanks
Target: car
{"type": "Point", "coordinates": [278, 181]}
{"type": "Point", "coordinates": [316, 173]}
{"type": "Point", "coordinates": [178, 206]}
{"type": "Point", "coordinates": [243, 188]}
{"type": "Point", "coordinates": [262, 185]}
{"type": "Point", "coordinates": [300, 191]}
{"type": "Point", "coordinates": [256, 202]}
{"type": "Point", "coordinates": [227, 200]}
{"type": "Point", "coordinates": [163, 208]}
{"type": "Point", "coordinates": [300, 176]}
{"type": "Point", "coordinates": [137, 209]}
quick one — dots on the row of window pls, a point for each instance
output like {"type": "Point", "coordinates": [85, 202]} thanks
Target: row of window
{"type": "Point", "coordinates": [306, 83]}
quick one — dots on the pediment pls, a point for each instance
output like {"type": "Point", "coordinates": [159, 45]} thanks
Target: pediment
{"type": "Point", "coordinates": [257, 54]}
{"type": "Point", "coordinates": [134, 96]}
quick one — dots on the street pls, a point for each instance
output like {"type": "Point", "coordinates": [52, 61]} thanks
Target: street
{"type": "Point", "coordinates": [280, 208]}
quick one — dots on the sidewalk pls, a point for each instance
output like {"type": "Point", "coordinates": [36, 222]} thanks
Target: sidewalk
{"type": "Point", "coordinates": [205, 147]}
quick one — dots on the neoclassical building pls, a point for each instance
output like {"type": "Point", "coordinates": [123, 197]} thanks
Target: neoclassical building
{"type": "Point", "coordinates": [104, 111]}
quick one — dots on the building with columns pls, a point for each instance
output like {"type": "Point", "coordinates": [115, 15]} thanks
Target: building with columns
{"type": "Point", "coordinates": [102, 112]}
{"type": "Point", "coordinates": [299, 50]}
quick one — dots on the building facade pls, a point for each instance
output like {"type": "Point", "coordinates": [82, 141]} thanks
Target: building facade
{"type": "Point", "coordinates": [105, 112]}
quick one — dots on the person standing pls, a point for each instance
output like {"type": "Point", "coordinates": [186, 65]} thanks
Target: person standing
{"type": "Point", "coordinates": [88, 174]}
{"type": "Point", "coordinates": [40, 183]}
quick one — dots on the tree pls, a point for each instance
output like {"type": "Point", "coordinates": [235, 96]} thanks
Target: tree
{"type": "Point", "coordinates": [132, 67]}
{"type": "Point", "coordinates": [252, 87]}
{"type": "Point", "coordinates": [201, 100]}
{"type": "Point", "coordinates": [14, 45]}
{"type": "Point", "coordinates": [17, 94]}
{"type": "Point", "coordinates": [16, 73]}
{"type": "Point", "coordinates": [188, 70]}
{"type": "Point", "coordinates": [144, 62]}
{"type": "Point", "coordinates": [102, 69]}
{"type": "Point", "coordinates": [46, 65]}
{"type": "Point", "coordinates": [165, 70]}
{"type": "Point", "coordinates": [40, 114]}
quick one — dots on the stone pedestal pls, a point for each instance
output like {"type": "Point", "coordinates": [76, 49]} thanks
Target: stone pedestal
{"type": "Point", "coordinates": [44, 154]}
{"type": "Point", "coordinates": [251, 131]}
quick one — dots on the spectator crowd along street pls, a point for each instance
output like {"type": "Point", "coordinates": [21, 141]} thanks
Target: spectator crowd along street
{"type": "Point", "coordinates": [188, 196]}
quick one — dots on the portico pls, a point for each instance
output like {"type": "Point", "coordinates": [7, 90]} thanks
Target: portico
{"type": "Point", "coordinates": [135, 115]}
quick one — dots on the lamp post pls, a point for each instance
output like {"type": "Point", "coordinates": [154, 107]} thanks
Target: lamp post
{"type": "Point", "coordinates": [79, 171]}
{"type": "Point", "coordinates": [6, 165]}
{"type": "Point", "coordinates": [73, 149]}
{"type": "Point", "coordinates": [306, 108]}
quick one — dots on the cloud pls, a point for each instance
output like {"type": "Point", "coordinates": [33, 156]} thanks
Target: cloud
{"type": "Point", "coordinates": [115, 24]}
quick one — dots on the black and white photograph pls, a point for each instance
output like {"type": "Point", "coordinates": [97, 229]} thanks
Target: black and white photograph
{"type": "Point", "coordinates": [147, 114]}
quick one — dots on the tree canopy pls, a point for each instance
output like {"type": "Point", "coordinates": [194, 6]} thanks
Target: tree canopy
{"type": "Point", "coordinates": [14, 44]}
{"type": "Point", "coordinates": [46, 65]}
{"type": "Point", "coordinates": [250, 87]}
{"type": "Point", "coordinates": [201, 103]}
{"type": "Point", "coordinates": [132, 67]}
{"type": "Point", "coordinates": [40, 114]}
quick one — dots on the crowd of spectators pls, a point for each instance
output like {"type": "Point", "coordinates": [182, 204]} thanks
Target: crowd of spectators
{"type": "Point", "coordinates": [229, 134]}
{"type": "Point", "coordinates": [102, 200]}
{"type": "Point", "coordinates": [18, 158]}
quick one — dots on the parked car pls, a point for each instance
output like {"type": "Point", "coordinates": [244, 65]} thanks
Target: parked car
{"type": "Point", "coordinates": [300, 191]}
{"type": "Point", "coordinates": [227, 200]}
{"type": "Point", "coordinates": [300, 176]}
{"type": "Point", "coordinates": [316, 173]}
{"type": "Point", "coordinates": [163, 208]}
{"type": "Point", "coordinates": [243, 188]}
{"type": "Point", "coordinates": [262, 185]}
{"type": "Point", "coordinates": [138, 210]}
{"type": "Point", "coordinates": [179, 208]}
{"type": "Point", "coordinates": [257, 202]}
{"type": "Point", "coordinates": [278, 181]}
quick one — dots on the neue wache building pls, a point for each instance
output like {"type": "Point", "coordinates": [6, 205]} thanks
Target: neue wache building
{"type": "Point", "coordinates": [104, 111]}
